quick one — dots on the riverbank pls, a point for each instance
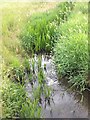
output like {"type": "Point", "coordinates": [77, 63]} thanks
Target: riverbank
{"type": "Point", "coordinates": [33, 86]}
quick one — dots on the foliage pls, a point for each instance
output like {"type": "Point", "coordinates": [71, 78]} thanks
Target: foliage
{"type": "Point", "coordinates": [16, 104]}
{"type": "Point", "coordinates": [31, 106]}
{"type": "Point", "coordinates": [30, 109]}
{"type": "Point", "coordinates": [13, 97]}
{"type": "Point", "coordinates": [71, 51]}
{"type": "Point", "coordinates": [13, 94]}
{"type": "Point", "coordinates": [39, 32]}
{"type": "Point", "coordinates": [17, 74]}
{"type": "Point", "coordinates": [14, 16]}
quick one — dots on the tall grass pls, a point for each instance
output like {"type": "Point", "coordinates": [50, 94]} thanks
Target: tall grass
{"type": "Point", "coordinates": [14, 98]}
{"type": "Point", "coordinates": [71, 51]}
{"type": "Point", "coordinates": [14, 16]}
{"type": "Point", "coordinates": [39, 32]}
{"type": "Point", "coordinates": [16, 104]}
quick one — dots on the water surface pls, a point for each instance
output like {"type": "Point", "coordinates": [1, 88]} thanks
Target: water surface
{"type": "Point", "coordinates": [63, 103]}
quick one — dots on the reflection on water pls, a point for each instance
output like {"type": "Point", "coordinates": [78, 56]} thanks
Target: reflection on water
{"type": "Point", "coordinates": [63, 103]}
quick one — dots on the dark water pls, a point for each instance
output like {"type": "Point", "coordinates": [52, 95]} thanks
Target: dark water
{"type": "Point", "coordinates": [64, 103]}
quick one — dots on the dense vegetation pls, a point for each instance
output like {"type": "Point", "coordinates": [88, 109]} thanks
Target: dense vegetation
{"type": "Point", "coordinates": [59, 31]}
{"type": "Point", "coordinates": [13, 96]}
{"type": "Point", "coordinates": [16, 65]}
{"type": "Point", "coordinates": [71, 51]}
{"type": "Point", "coordinates": [17, 104]}
{"type": "Point", "coordinates": [39, 33]}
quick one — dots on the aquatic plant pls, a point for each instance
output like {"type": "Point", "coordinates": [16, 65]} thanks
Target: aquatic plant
{"type": "Point", "coordinates": [39, 62]}
{"type": "Point", "coordinates": [47, 93]}
{"type": "Point", "coordinates": [41, 77]}
{"type": "Point", "coordinates": [44, 66]}
{"type": "Point", "coordinates": [33, 65]}
{"type": "Point", "coordinates": [30, 109]}
{"type": "Point", "coordinates": [26, 65]}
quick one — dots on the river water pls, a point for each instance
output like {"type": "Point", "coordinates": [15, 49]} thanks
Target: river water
{"type": "Point", "coordinates": [64, 103]}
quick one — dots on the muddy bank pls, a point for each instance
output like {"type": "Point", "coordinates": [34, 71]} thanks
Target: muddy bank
{"type": "Point", "coordinates": [63, 103]}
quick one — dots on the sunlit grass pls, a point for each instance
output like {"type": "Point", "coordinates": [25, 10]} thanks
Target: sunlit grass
{"type": "Point", "coordinates": [14, 16]}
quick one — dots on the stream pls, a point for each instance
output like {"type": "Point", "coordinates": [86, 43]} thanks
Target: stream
{"type": "Point", "coordinates": [64, 103]}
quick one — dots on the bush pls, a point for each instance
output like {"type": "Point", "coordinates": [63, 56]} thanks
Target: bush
{"type": "Point", "coordinates": [40, 31]}
{"type": "Point", "coordinates": [71, 51]}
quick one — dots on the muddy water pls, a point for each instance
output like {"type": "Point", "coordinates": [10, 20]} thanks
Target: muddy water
{"type": "Point", "coordinates": [64, 103]}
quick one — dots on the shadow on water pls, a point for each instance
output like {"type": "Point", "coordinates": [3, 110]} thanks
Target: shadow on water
{"type": "Point", "coordinates": [63, 103]}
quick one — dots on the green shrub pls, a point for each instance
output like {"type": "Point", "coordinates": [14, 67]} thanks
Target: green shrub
{"type": "Point", "coordinates": [40, 31]}
{"type": "Point", "coordinates": [71, 51]}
